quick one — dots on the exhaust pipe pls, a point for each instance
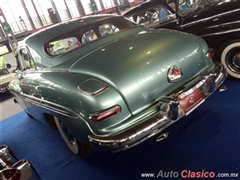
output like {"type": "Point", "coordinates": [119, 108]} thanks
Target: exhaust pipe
{"type": "Point", "coordinates": [162, 136]}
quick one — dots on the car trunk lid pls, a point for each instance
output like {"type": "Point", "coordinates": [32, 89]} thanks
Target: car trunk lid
{"type": "Point", "coordinates": [137, 66]}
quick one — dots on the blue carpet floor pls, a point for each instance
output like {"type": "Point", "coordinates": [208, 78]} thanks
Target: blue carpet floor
{"type": "Point", "coordinates": [207, 140]}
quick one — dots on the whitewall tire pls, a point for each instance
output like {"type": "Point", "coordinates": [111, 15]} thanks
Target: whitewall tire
{"type": "Point", "coordinates": [76, 147]}
{"type": "Point", "coordinates": [230, 58]}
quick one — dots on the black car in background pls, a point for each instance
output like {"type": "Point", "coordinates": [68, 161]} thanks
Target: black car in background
{"type": "Point", "coordinates": [216, 21]}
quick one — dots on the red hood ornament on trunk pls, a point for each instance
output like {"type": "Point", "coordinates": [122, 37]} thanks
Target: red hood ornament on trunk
{"type": "Point", "coordinates": [174, 74]}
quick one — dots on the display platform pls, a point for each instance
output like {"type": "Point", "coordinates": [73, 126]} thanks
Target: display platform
{"type": "Point", "coordinates": [205, 143]}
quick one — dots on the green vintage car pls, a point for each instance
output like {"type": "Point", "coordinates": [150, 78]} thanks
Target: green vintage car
{"type": "Point", "coordinates": [108, 84]}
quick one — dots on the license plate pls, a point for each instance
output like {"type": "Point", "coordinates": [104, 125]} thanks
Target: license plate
{"type": "Point", "coordinates": [189, 102]}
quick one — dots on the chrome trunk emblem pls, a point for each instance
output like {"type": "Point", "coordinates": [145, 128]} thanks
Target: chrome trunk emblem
{"type": "Point", "coordinates": [174, 74]}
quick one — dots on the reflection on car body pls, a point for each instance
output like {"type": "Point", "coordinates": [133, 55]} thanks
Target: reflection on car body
{"type": "Point", "coordinates": [217, 21]}
{"type": "Point", "coordinates": [124, 84]}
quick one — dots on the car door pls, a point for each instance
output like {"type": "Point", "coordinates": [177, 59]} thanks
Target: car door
{"type": "Point", "coordinates": [28, 88]}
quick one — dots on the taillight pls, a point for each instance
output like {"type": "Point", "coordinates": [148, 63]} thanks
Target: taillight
{"type": "Point", "coordinates": [10, 173]}
{"type": "Point", "coordinates": [105, 114]}
{"type": "Point", "coordinates": [210, 53]}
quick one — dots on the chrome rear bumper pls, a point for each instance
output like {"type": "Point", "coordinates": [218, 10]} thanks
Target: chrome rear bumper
{"type": "Point", "coordinates": [170, 111]}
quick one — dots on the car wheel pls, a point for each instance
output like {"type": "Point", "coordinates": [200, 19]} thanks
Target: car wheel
{"type": "Point", "coordinates": [75, 146]}
{"type": "Point", "coordinates": [230, 58]}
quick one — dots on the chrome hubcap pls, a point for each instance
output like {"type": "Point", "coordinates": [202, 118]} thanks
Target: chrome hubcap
{"type": "Point", "coordinates": [236, 60]}
{"type": "Point", "coordinates": [233, 60]}
{"type": "Point", "coordinates": [69, 137]}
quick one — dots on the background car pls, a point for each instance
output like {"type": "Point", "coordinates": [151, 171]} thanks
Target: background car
{"type": "Point", "coordinates": [5, 78]}
{"type": "Point", "coordinates": [123, 85]}
{"type": "Point", "coordinates": [216, 21]}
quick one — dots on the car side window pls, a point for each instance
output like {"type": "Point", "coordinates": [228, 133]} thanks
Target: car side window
{"type": "Point", "coordinates": [62, 46]}
{"type": "Point", "coordinates": [88, 37]}
{"type": "Point", "coordinates": [172, 5]}
{"type": "Point", "coordinates": [153, 15]}
{"type": "Point", "coordinates": [24, 60]}
{"type": "Point", "coordinates": [107, 29]}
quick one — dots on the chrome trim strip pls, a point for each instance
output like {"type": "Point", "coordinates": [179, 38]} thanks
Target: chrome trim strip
{"type": "Point", "coordinates": [211, 17]}
{"type": "Point", "coordinates": [219, 33]}
{"type": "Point", "coordinates": [35, 100]}
{"type": "Point", "coordinates": [48, 70]}
{"type": "Point", "coordinates": [168, 107]}
{"type": "Point", "coordinates": [224, 24]}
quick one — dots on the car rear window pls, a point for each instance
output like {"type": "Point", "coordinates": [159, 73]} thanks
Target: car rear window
{"type": "Point", "coordinates": [78, 37]}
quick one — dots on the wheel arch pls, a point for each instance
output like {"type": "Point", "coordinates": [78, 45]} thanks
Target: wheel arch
{"type": "Point", "coordinates": [50, 120]}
